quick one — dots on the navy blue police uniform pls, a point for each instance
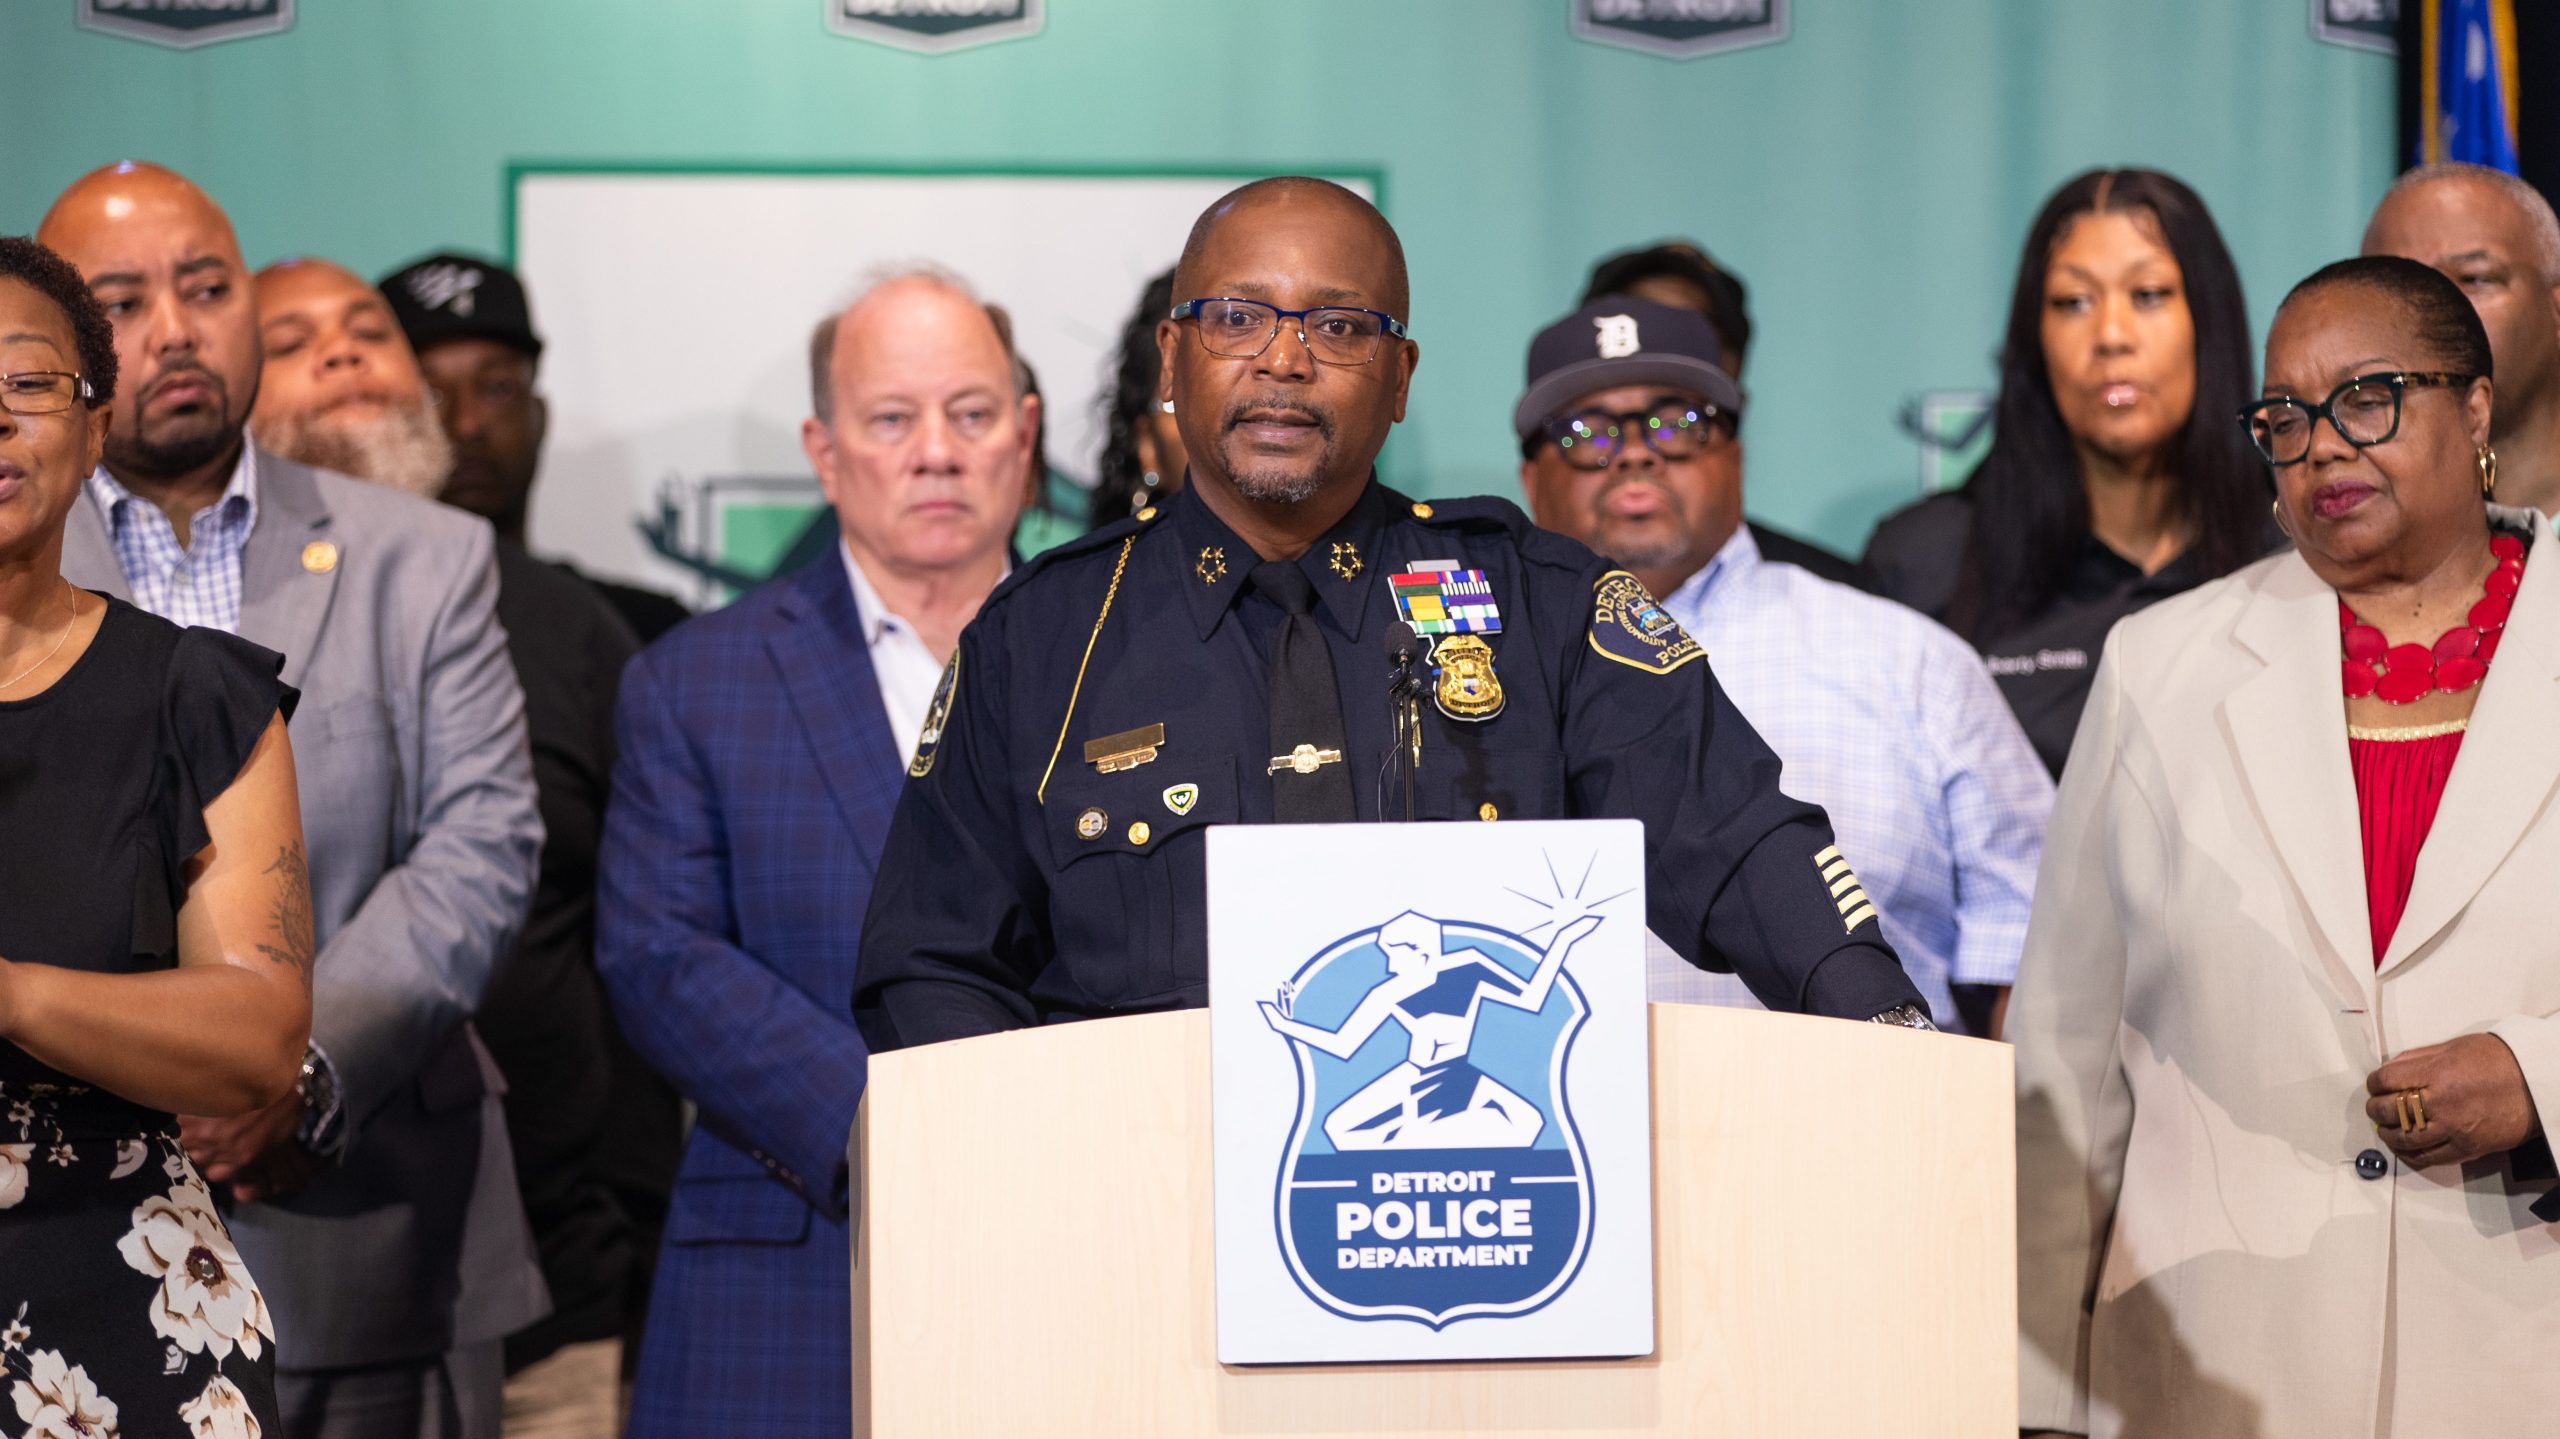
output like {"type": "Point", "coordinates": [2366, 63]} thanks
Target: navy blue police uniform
{"type": "Point", "coordinates": [1111, 702]}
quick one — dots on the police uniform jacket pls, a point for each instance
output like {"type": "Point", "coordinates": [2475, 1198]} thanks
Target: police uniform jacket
{"type": "Point", "coordinates": [1021, 884]}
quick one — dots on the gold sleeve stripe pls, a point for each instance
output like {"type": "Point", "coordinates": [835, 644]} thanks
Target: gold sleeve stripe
{"type": "Point", "coordinates": [1042, 794]}
{"type": "Point", "coordinates": [1824, 859]}
{"type": "Point", "coordinates": [1865, 913]}
{"type": "Point", "coordinates": [1843, 884]}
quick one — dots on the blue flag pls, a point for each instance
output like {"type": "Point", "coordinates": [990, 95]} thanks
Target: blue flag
{"type": "Point", "coordinates": [2469, 77]}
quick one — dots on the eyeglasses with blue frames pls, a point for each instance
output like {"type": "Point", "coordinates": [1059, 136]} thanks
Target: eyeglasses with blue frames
{"type": "Point", "coordinates": [2365, 411]}
{"type": "Point", "coordinates": [1675, 430]}
{"type": "Point", "coordinates": [42, 392]}
{"type": "Point", "coordinates": [1243, 329]}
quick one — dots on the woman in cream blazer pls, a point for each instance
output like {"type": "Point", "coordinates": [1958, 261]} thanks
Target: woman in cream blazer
{"type": "Point", "coordinates": [2222, 1232]}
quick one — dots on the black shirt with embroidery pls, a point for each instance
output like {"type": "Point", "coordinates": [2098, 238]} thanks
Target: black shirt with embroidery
{"type": "Point", "coordinates": [2044, 667]}
{"type": "Point", "coordinates": [1021, 884]}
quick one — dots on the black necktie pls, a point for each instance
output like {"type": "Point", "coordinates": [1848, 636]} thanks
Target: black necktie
{"type": "Point", "coordinates": [1311, 778]}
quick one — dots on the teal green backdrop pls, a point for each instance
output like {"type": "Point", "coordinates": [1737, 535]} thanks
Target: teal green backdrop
{"type": "Point", "coordinates": [1870, 176]}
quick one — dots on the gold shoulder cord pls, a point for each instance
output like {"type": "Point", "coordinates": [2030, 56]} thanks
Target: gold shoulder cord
{"type": "Point", "coordinates": [1042, 793]}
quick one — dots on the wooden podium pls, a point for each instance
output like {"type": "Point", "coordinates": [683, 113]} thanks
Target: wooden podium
{"type": "Point", "coordinates": [1835, 1248]}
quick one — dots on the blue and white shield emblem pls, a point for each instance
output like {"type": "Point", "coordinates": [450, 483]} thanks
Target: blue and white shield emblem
{"type": "Point", "coordinates": [1434, 1172]}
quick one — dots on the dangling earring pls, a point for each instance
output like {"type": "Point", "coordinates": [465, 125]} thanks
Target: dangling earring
{"type": "Point", "coordinates": [1151, 479]}
{"type": "Point", "coordinates": [2488, 473]}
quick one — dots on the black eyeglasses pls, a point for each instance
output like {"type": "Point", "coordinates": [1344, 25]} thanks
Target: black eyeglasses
{"type": "Point", "coordinates": [42, 392]}
{"type": "Point", "coordinates": [1335, 334]}
{"type": "Point", "coordinates": [1675, 430]}
{"type": "Point", "coordinates": [2365, 411]}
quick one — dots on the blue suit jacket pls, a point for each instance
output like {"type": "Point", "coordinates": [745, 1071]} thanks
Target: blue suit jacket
{"type": "Point", "coordinates": [756, 778]}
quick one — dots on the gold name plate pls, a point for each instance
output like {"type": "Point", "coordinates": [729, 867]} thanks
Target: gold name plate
{"type": "Point", "coordinates": [1126, 750]}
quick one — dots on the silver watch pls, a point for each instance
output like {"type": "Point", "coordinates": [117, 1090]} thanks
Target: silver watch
{"type": "Point", "coordinates": [1908, 1016]}
{"type": "Point", "coordinates": [323, 1130]}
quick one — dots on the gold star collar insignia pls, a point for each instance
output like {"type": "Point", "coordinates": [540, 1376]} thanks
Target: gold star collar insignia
{"type": "Point", "coordinates": [1346, 560]}
{"type": "Point", "coordinates": [1211, 567]}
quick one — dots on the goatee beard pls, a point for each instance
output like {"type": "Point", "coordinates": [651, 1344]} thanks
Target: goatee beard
{"type": "Point", "coordinates": [141, 459]}
{"type": "Point", "coordinates": [1269, 487]}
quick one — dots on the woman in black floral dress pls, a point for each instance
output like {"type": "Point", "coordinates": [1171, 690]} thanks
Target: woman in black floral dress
{"type": "Point", "coordinates": [155, 938]}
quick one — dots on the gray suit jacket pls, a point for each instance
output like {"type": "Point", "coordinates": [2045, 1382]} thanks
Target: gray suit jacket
{"type": "Point", "coordinates": [418, 815]}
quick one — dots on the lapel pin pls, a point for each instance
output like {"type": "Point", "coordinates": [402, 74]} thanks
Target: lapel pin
{"type": "Point", "coordinates": [319, 557]}
{"type": "Point", "coordinates": [1180, 798]}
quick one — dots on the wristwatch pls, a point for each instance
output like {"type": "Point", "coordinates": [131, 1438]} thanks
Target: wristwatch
{"type": "Point", "coordinates": [1908, 1016]}
{"type": "Point", "coordinates": [324, 1128]}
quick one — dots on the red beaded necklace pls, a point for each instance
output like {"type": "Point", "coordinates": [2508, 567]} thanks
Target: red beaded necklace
{"type": "Point", "coordinates": [2406, 674]}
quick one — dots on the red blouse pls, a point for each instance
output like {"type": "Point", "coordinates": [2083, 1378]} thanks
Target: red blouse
{"type": "Point", "coordinates": [2400, 775]}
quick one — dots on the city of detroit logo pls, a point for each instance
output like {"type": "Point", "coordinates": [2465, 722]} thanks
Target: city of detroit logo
{"type": "Point", "coordinates": [1434, 1172]}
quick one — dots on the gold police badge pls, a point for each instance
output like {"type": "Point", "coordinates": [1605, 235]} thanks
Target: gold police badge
{"type": "Point", "coordinates": [1468, 689]}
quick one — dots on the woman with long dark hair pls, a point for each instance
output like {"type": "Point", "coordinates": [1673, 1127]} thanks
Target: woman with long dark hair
{"type": "Point", "coordinates": [1142, 457]}
{"type": "Point", "coordinates": [2115, 476]}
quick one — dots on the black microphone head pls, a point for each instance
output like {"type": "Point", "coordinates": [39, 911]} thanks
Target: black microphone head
{"type": "Point", "coordinates": [1405, 644]}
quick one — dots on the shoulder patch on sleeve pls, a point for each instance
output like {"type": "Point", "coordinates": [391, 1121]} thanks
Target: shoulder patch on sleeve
{"type": "Point", "coordinates": [936, 716]}
{"type": "Point", "coordinates": [1628, 625]}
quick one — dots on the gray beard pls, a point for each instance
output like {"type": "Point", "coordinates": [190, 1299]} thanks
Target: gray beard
{"type": "Point", "coordinates": [403, 450]}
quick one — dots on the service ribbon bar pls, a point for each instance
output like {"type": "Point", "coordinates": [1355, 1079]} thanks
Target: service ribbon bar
{"type": "Point", "coordinates": [1446, 602]}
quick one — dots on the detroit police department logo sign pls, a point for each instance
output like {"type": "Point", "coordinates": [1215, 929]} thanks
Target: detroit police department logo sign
{"type": "Point", "coordinates": [1680, 28]}
{"type": "Point", "coordinates": [1435, 1171]}
{"type": "Point", "coordinates": [935, 26]}
{"type": "Point", "coordinates": [186, 24]}
{"type": "Point", "coordinates": [1431, 1091]}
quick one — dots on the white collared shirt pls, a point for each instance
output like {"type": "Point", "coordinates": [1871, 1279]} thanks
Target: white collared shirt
{"type": "Point", "coordinates": [197, 583]}
{"type": "Point", "coordinates": [1895, 727]}
{"type": "Point", "coordinates": [906, 667]}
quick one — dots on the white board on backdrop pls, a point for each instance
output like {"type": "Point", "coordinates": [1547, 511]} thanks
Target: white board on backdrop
{"type": "Point", "coordinates": [675, 310]}
{"type": "Point", "coordinates": [1429, 1089]}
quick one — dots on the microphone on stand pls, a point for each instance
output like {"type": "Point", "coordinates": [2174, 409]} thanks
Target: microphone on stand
{"type": "Point", "coordinates": [1409, 667]}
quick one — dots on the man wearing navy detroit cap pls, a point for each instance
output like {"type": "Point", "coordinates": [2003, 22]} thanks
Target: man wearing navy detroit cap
{"type": "Point", "coordinates": [1630, 439]}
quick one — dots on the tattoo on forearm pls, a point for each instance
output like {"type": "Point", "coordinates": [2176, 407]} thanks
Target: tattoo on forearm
{"type": "Point", "coordinates": [293, 910]}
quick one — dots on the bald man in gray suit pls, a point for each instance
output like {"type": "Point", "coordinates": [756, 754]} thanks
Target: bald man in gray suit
{"type": "Point", "coordinates": [377, 1206]}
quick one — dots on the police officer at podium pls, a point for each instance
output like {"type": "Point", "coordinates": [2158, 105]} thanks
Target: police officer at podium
{"type": "Point", "coordinates": [1228, 656]}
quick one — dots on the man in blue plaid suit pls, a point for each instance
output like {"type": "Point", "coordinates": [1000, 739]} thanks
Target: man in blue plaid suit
{"type": "Point", "coordinates": [762, 749]}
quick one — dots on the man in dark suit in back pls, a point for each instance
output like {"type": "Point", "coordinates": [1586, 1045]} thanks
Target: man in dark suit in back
{"type": "Point", "coordinates": [762, 749]}
{"type": "Point", "coordinates": [471, 325]}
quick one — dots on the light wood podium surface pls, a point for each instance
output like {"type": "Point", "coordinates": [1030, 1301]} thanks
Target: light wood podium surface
{"type": "Point", "coordinates": [1835, 1249]}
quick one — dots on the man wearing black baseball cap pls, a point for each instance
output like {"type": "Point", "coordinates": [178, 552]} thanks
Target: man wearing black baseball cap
{"type": "Point", "coordinates": [1629, 433]}
{"type": "Point", "coordinates": [1680, 274]}
{"type": "Point", "coordinates": [472, 327]}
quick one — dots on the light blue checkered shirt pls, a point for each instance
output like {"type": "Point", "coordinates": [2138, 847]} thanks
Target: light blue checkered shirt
{"type": "Point", "coordinates": [1894, 727]}
{"type": "Point", "coordinates": [197, 583]}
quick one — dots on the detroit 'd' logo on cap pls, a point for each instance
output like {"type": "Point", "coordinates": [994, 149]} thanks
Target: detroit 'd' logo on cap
{"type": "Point", "coordinates": [1616, 336]}
{"type": "Point", "coordinates": [935, 26]}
